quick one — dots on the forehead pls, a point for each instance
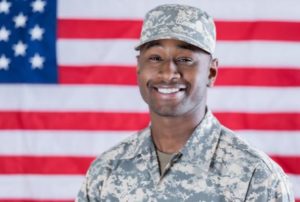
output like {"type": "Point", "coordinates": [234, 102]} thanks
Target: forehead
{"type": "Point", "coordinates": [164, 43]}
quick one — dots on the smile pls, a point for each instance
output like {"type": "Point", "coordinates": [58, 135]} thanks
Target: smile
{"type": "Point", "coordinates": [168, 90]}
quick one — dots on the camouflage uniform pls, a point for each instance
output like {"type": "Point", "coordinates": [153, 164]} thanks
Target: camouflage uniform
{"type": "Point", "coordinates": [214, 165]}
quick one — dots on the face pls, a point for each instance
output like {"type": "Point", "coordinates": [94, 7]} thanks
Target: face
{"type": "Point", "coordinates": [173, 77]}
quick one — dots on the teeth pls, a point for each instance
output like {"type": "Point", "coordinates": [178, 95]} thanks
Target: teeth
{"type": "Point", "coordinates": [168, 90]}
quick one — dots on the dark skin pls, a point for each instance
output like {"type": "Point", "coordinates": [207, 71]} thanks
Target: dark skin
{"type": "Point", "coordinates": [173, 78]}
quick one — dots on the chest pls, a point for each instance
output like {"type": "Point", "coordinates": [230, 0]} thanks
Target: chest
{"type": "Point", "coordinates": [140, 181]}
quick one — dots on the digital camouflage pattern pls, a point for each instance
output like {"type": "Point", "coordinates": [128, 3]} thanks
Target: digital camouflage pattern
{"type": "Point", "coordinates": [214, 165]}
{"type": "Point", "coordinates": [185, 23]}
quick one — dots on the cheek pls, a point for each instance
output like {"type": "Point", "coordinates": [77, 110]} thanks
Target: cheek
{"type": "Point", "coordinates": [144, 75]}
{"type": "Point", "coordinates": [198, 82]}
{"type": "Point", "coordinates": [142, 79]}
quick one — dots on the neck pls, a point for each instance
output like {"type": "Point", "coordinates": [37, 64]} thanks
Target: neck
{"type": "Point", "coordinates": [171, 133]}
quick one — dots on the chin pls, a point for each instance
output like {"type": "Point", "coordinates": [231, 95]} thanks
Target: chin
{"type": "Point", "coordinates": [167, 111]}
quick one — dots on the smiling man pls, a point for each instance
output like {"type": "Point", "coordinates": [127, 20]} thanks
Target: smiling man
{"type": "Point", "coordinates": [185, 154]}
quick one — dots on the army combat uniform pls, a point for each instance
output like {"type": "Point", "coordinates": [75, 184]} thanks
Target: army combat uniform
{"type": "Point", "coordinates": [214, 165]}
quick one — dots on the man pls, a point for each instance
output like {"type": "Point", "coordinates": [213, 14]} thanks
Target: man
{"type": "Point", "coordinates": [185, 154]}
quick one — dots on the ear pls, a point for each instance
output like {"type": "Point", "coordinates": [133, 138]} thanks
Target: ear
{"type": "Point", "coordinates": [213, 71]}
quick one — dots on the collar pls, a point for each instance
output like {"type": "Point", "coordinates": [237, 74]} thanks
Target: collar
{"type": "Point", "coordinates": [198, 150]}
{"type": "Point", "coordinates": [200, 147]}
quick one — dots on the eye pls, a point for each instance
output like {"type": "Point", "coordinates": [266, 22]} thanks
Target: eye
{"type": "Point", "coordinates": [155, 58]}
{"type": "Point", "coordinates": [184, 60]}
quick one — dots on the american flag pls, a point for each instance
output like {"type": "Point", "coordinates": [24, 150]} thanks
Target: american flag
{"type": "Point", "coordinates": [68, 85]}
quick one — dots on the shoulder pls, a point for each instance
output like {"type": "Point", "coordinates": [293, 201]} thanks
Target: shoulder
{"type": "Point", "coordinates": [239, 150]}
{"type": "Point", "coordinates": [267, 181]}
{"type": "Point", "coordinates": [102, 166]}
{"type": "Point", "coordinates": [126, 149]}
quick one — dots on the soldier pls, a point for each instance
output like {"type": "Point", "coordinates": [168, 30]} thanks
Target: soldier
{"type": "Point", "coordinates": [185, 154]}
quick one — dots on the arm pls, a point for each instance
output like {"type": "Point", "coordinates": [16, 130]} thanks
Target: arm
{"type": "Point", "coordinates": [270, 185]}
{"type": "Point", "coordinates": [91, 188]}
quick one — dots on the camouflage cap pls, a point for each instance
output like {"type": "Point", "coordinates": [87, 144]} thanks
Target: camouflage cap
{"type": "Point", "coordinates": [181, 22]}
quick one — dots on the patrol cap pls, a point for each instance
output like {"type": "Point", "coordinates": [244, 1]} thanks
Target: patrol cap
{"type": "Point", "coordinates": [185, 23]}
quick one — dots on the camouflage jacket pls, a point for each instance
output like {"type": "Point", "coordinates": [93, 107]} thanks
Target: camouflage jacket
{"type": "Point", "coordinates": [214, 165]}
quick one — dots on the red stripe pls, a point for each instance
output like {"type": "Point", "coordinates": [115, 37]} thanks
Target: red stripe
{"type": "Point", "coordinates": [136, 121]}
{"type": "Point", "coordinates": [247, 76]}
{"type": "Point", "coordinates": [227, 76]}
{"type": "Point", "coordinates": [44, 165]}
{"type": "Point", "coordinates": [33, 200]}
{"type": "Point", "coordinates": [98, 75]}
{"type": "Point", "coordinates": [260, 121]}
{"type": "Point", "coordinates": [227, 30]}
{"type": "Point", "coordinates": [258, 30]}
{"type": "Point", "coordinates": [55, 165]}
{"type": "Point", "coordinates": [290, 164]}
{"type": "Point", "coordinates": [93, 29]}
{"type": "Point", "coordinates": [73, 120]}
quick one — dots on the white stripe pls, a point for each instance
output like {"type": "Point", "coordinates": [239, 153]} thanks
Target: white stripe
{"type": "Point", "coordinates": [93, 143]}
{"type": "Point", "coordinates": [279, 143]}
{"type": "Point", "coordinates": [111, 98]}
{"type": "Point", "coordinates": [61, 187]}
{"type": "Point", "coordinates": [59, 143]}
{"type": "Point", "coordinates": [229, 9]}
{"type": "Point", "coordinates": [121, 52]}
{"type": "Point", "coordinates": [40, 187]}
{"type": "Point", "coordinates": [71, 98]}
{"type": "Point", "coordinates": [93, 52]}
{"type": "Point", "coordinates": [254, 99]}
{"type": "Point", "coordinates": [295, 180]}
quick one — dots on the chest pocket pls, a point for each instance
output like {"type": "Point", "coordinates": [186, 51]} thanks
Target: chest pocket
{"type": "Point", "coordinates": [128, 182]}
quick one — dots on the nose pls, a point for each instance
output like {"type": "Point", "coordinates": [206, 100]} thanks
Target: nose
{"type": "Point", "coordinates": [169, 71]}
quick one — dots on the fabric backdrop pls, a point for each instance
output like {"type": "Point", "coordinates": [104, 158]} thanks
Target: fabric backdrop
{"type": "Point", "coordinates": [68, 85]}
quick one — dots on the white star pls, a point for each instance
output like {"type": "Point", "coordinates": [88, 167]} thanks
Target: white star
{"type": "Point", "coordinates": [20, 20]}
{"type": "Point", "coordinates": [20, 48]}
{"type": "Point", "coordinates": [38, 6]}
{"type": "Point", "coordinates": [4, 33]}
{"type": "Point", "coordinates": [4, 6]}
{"type": "Point", "coordinates": [37, 61]}
{"type": "Point", "coordinates": [4, 61]}
{"type": "Point", "coordinates": [36, 33]}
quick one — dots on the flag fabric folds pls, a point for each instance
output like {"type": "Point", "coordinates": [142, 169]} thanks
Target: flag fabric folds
{"type": "Point", "coordinates": [68, 88]}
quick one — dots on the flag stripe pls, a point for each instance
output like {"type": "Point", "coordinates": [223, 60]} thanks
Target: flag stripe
{"type": "Point", "coordinates": [73, 120]}
{"type": "Point", "coordinates": [55, 165]}
{"type": "Point", "coordinates": [98, 75]}
{"type": "Point", "coordinates": [228, 76]}
{"type": "Point", "coordinates": [70, 98]}
{"type": "Point", "coordinates": [248, 76]}
{"type": "Point", "coordinates": [295, 181]}
{"type": "Point", "coordinates": [128, 9]}
{"type": "Point", "coordinates": [121, 52]}
{"type": "Point", "coordinates": [93, 143]}
{"type": "Point", "coordinates": [45, 165]}
{"type": "Point", "coordinates": [290, 164]}
{"type": "Point", "coordinates": [287, 142]}
{"type": "Point", "coordinates": [40, 187]}
{"type": "Point", "coordinates": [260, 121]}
{"type": "Point", "coordinates": [95, 29]}
{"type": "Point", "coordinates": [32, 200]}
{"type": "Point", "coordinates": [59, 143]}
{"type": "Point", "coordinates": [227, 30]}
{"type": "Point", "coordinates": [136, 121]}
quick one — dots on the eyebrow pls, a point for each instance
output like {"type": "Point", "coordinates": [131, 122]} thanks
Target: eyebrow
{"type": "Point", "coordinates": [150, 45]}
